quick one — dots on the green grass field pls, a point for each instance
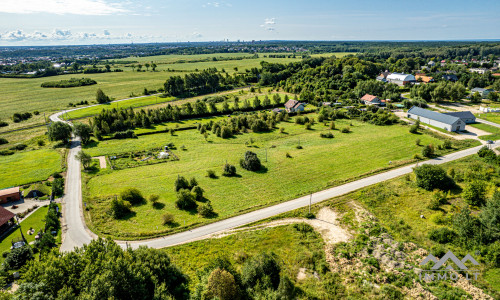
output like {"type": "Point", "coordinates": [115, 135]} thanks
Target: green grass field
{"type": "Point", "coordinates": [320, 164]}
{"type": "Point", "coordinates": [35, 221]}
{"type": "Point", "coordinates": [495, 131]}
{"type": "Point", "coordinates": [26, 167]}
{"type": "Point", "coordinates": [294, 250]}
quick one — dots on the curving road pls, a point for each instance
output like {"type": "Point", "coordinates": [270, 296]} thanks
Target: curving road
{"type": "Point", "coordinates": [76, 234]}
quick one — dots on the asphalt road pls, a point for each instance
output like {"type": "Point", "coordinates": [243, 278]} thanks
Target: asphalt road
{"type": "Point", "coordinates": [76, 233]}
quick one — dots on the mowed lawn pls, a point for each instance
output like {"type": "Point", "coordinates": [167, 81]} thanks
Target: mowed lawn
{"type": "Point", "coordinates": [320, 164]}
{"type": "Point", "coordinates": [26, 167]}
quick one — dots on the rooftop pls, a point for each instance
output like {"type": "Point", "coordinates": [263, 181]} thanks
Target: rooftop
{"type": "Point", "coordinates": [429, 114]}
{"type": "Point", "coordinates": [9, 191]}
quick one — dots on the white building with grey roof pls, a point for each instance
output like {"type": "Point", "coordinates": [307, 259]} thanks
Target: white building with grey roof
{"type": "Point", "coordinates": [444, 121]}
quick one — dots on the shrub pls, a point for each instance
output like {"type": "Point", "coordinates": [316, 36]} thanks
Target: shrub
{"type": "Point", "coordinates": [58, 187]}
{"type": "Point", "coordinates": [128, 134]}
{"type": "Point", "coordinates": [327, 135]}
{"type": "Point", "coordinates": [442, 235]}
{"type": "Point", "coordinates": [346, 130]}
{"type": "Point", "coordinates": [192, 182]}
{"type": "Point", "coordinates": [167, 218]}
{"type": "Point", "coordinates": [417, 142]}
{"type": "Point", "coordinates": [181, 183]}
{"type": "Point", "coordinates": [309, 215]}
{"type": "Point", "coordinates": [332, 125]}
{"type": "Point", "coordinates": [119, 208]}
{"type": "Point", "coordinates": [260, 269]}
{"type": "Point", "coordinates": [447, 144]}
{"type": "Point", "coordinates": [18, 147]}
{"type": "Point", "coordinates": [288, 155]}
{"type": "Point", "coordinates": [229, 170]}
{"type": "Point", "coordinates": [154, 198]}
{"type": "Point", "coordinates": [299, 147]}
{"type": "Point", "coordinates": [438, 199]}
{"type": "Point", "coordinates": [226, 132]}
{"type": "Point", "coordinates": [211, 174]}
{"type": "Point", "coordinates": [251, 162]}
{"type": "Point", "coordinates": [6, 152]}
{"type": "Point", "coordinates": [18, 257]}
{"type": "Point", "coordinates": [3, 141]}
{"type": "Point", "coordinates": [222, 285]}
{"type": "Point", "coordinates": [474, 193]}
{"type": "Point", "coordinates": [413, 129]}
{"type": "Point", "coordinates": [5, 253]}
{"type": "Point", "coordinates": [428, 151]}
{"type": "Point", "coordinates": [132, 195]}
{"type": "Point", "coordinates": [430, 177]}
{"type": "Point", "coordinates": [282, 130]}
{"type": "Point", "coordinates": [185, 200]}
{"type": "Point", "coordinates": [206, 210]}
{"type": "Point", "coordinates": [197, 193]}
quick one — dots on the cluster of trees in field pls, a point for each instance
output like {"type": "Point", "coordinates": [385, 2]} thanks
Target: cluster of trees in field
{"type": "Point", "coordinates": [204, 82]}
{"type": "Point", "coordinates": [475, 226]}
{"type": "Point", "coordinates": [257, 122]}
{"type": "Point", "coordinates": [73, 82]}
{"type": "Point", "coordinates": [109, 121]}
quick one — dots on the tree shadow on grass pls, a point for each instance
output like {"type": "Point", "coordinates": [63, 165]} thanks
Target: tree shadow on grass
{"type": "Point", "coordinates": [262, 170]}
{"type": "Point", "coordinates": [128, 216]}
{"type": "Point", "coordinates": [235, 175]}
{"type": "Point", "coordinates": [92, 170]}
{"type": "Point", "coordinates": [91, 144]}
{"type": "Point", "coordinates": [173, 224]}
{"type": "Point", "coordinates": [158, 205]}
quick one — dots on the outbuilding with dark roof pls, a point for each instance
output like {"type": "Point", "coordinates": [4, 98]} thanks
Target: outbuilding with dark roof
{"type": "Point", "coordinates": [465, 116]}
{"type": "Point", "coordinates": [447, 122]}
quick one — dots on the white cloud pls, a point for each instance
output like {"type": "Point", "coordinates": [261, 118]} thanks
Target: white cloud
{"type": "Point", "coordinates": [196, 35]}
{"type": "Point", "coordinates": [64, 35]}
{"type": "Point", "coordinates": [269, 24]}
{"type": "Point", "coordinates": [217, 4]}
{"type": "Point", "coordinates": [61, 7]}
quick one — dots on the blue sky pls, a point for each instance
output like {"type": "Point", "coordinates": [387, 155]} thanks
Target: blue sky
{"type": "Point", "coordinates": [45, 22]}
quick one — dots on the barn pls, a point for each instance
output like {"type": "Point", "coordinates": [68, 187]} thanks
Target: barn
{"type": "Point", "coordinates": [447, 122]}
{"type": "Point", "coordinates": [465, 116]}
{"type": "Point", "coordinates": [10, 194]}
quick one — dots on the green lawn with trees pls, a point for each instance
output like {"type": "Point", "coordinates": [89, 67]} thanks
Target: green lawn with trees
{"type": "Point", "coordinates": [289, 170]}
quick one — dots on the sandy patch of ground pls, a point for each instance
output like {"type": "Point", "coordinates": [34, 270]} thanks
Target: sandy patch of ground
{"type": "Point", "coordinates": [102, 161]}
{"type": "Point", "coordinates": [325, 223]}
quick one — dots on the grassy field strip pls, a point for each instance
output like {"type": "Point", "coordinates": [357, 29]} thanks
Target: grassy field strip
{"type": "Point", "coordinates": [320, 164]}
{"type": "Point", "coordinates": [495, 131]}
{"type": "Point", "coordinates": [27, 167]}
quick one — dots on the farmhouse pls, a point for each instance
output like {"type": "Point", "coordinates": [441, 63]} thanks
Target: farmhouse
{"type": "Point", "coordinates": [401, 78]}
{"type": "Point", "coordinates": [6, 219]}
{"type": "Point", "coordinates": [371, 100]}
{"type": "Point", "coordinates": [383, 76]}
{"type": "Point", "coordinates": [294, 106]}
{"type": "Point", "coordinates": [483, 92]}
{"type": "Point", "coordinates": [10, 194]}
{"type": "Point", "coordinates": [465, 116]}
{"type": "Point", "coordinates": [436, 119]}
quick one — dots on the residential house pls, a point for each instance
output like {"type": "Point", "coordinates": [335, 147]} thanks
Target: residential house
{"type": "Point", "coordinates": [450, 77]}
{"type": "Point", "coordinates": [401, 78]}
{"type": "Point", "coordinates": [371, 100]}
{"type": "Point", "coordinates": [478, 70]}
{"type": "Point", "coordinates": [383, 76]}
{"type": "Point", "coordinates": [10, 194]}
{"type": "Point", "coordinates": [294, 106]}
{"type": "Point", "coordinates": [431, 63]}
{"type": "Point", "coordinates": [6, 219]}
{"type": "Point", "coordinates": [483, 92]}
{"type": "Point", "coordinates": [447, 122]}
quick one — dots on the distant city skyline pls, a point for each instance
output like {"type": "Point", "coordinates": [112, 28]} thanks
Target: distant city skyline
{"type": "Point", "coordinates": [73, 22]}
